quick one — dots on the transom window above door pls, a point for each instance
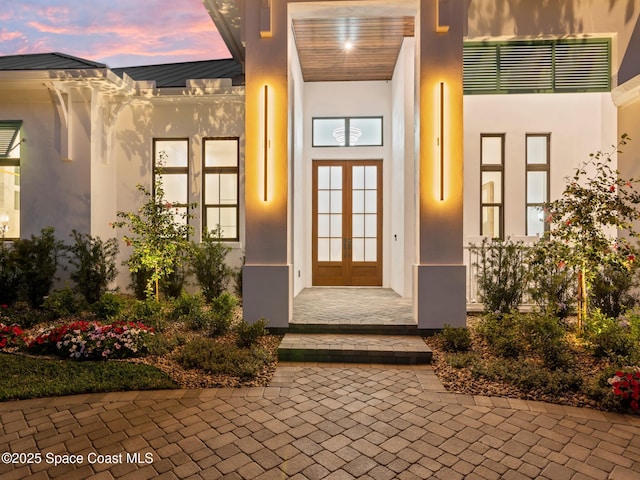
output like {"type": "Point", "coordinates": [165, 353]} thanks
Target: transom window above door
{"type": "Point", "coordinates": [347, 132]}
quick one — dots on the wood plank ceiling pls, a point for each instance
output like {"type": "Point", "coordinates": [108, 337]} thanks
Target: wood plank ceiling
{"type": "Point", "coordinates": [375, 45]}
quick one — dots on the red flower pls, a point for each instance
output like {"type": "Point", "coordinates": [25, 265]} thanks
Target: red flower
{"type": "Point", "coordinates": [631, 257]}
{"type": "Point", "coordinates": [612, 188]}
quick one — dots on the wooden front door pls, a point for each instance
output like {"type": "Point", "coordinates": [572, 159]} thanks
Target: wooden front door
{"type": "Point", "coordinates": [347, 222]}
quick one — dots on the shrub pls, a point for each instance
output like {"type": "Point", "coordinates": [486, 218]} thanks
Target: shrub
{"type": "Point", "coordinates": [109, 306]}
{"type": "Point", "coordinates": [502, 274]}
{"type": "Point", "coordinates": [610, 338]}
{"type": "Point", "coordinates": [186, 305]}
{"type": "Point", "coordinates": [455, 339]}
{"type": "Point", "coordinates": [248, 335]}
{"type": "Point", "coordinates": [9, 275]}
{"type": "Point", "coordinates": [147, 311]}
{"type": "Point", "coordinates": [37, 259]}
{"type": "Point", "coordinates": [208, 264]}
{"type": "Point", "coordinates": [460, 360]}
{"type": "Point", "coordinates": [546, 337]}
{"type": "Point", "coordinates": [222, 309]}
{"type": "Point", "coordinates": [502, 334]}
{"type": "Point", "coordinates": [553, 281]}
{"type": "Point", "coordinates": [237, 278]}
{"type": "Point", "coordinates": [63, 303]}
{"type": "Point", "coordinates": [22, 314]}
{"type": "Point", "coordinates": [612, 289]}
{"type": "Point", "coordinates": [95, 264]}
{"type": "Point", "coordinates": [216, 358]}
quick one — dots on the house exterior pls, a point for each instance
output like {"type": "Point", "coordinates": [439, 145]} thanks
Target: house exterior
{"type": "Point", "coordinates": [355, 142]}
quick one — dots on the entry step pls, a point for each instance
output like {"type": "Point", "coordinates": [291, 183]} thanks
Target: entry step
{"type": "Point", "coordinates": [350, 348]}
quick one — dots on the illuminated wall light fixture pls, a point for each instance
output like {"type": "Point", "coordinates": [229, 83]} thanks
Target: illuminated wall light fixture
{"type": "Point", "coordinates": [265, 144]}
{"type": "Point", "coordinates": [441, 140]}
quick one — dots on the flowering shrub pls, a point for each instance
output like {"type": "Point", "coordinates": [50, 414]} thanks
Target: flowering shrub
{"type": "Point", "coordinates": [93, 341]}
{"type": "Point", "coordinates": [626, 386]}
{"type": "Point", "coordinates": [10, 336]}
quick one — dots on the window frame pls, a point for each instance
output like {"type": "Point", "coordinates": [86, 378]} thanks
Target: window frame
{"type": "Point", "coordinates": [173, 170]}
{"type": "Point", "coordinates": [489, 167]}
{"type": "Point", "coordinates": [6, 160]}
{"type": "Point", "coordinates": [221, 170]}
{"type": "Point", "coordinates": [537, 167]}
{"type": "Point", "coordinates": [347, 126]}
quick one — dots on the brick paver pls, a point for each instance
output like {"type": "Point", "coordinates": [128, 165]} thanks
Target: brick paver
{"type": "Point", "coordinates": [329, 422]}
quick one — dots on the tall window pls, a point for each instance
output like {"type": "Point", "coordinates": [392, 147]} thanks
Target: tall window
{"type": "Point", "coordinates": [492, 184]}
{"type": "Point", "coordinates": [10, 138]}
{"type": "Point", "coordinates": [171, 164]}
{"type": "Point", "coordinates": [537, 181]}
{"type": "Point", "coordinates": [220, 189]}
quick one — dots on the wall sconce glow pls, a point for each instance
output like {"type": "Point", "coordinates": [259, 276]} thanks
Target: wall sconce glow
{"type": "Point", "coordinates": [441, 140]}
{"type": "Point", "coordinates": [266, 130]}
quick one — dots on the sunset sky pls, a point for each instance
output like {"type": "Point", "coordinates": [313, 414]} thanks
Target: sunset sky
{"type": "Point", "coordinates": [116, 32]}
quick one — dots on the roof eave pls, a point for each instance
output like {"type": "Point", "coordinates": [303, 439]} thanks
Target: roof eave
{"type": "Point", "coordinates": [226, 15]}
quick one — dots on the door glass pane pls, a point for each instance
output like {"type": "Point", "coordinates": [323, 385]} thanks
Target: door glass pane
{"type": "Point", "coordinates": [323, 250]}
{"type": "Point", "coordinates": [336, 201]}
{"type": "Point", "coordinates": [491, 152]}
{"type": "Point", "coordinates": [370, 253]}
{"type": "Point", "coordinates": [370, 182]}
{"type": "Point", "coordinates": [491, 221]}
{"type": "Point", "coordinates": [537, 150]}
{"type": "Point", "coordinates": [323, 201]}
{"type": "Point", "coordinates": [336, 178]}
{"type": "Point", "coordinates": [336, 250]}
{"type": "Point", "coordinates": [358, 177]}
{"type": "Point", "coordinates": [491, 187]}
{"type": "Point", "coordinates": [228, 222]}
{"type": "Point", "coordinates": [323, 225]}
{"type": "Point", "coordinates": [324, 178]}
{"type": "Point", "coordinates": [357, 250]}
{"type": "Point", "coordinates": [336, 226]}
{"type": "Point", "coordinates": [358, 201]}
{"type": "Point", "coordinates": [10, 201]}
{"type": "Point", "coordinates": [171, 153]}
{"type": "Point", "coordinates": [357, 225]}
{"type": "Point", "coordinates": [535, 220]}
{"type": "Point", "coordinates": [371, 226]}
{"type": "Point", "coordinates": [371, 201]}
{"type": "Point", "coordinates": [536, 187]}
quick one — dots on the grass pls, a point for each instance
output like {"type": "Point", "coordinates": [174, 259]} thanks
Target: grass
{"type": "Point", "coordinates": [26, 377]}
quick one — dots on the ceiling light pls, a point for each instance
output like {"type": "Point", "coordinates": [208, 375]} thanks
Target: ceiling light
{"type": "Point", "coordinates": [348, 45]}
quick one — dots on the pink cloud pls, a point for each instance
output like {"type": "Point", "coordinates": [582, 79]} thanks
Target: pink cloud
{"type": "Point", "coordinates": [123, 31]}
{"type": "Point", "coordinates": [8, 36]}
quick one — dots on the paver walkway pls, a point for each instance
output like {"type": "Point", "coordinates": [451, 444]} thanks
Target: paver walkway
{"type": "Point", "coordinates": [334, 422]}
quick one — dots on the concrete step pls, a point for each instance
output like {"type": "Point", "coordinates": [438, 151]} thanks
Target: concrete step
{"type": "Point", "coordinates": [354, 328]}
{"type": "Point", "coordinates": [353, 348]}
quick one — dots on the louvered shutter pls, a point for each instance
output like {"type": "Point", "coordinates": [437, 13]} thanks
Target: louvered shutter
{"type": "Point", "coordinates": [583, 67]}
{"type": "Point", "coordinates": [8, 133]}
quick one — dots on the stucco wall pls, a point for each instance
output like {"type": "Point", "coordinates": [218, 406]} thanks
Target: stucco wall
{"type": "Point", "coordinates": [54, 192]}
{"type": "Point", "coordinates": [142, 121]}
{"type": "Point", "coordinates": [579, 124]}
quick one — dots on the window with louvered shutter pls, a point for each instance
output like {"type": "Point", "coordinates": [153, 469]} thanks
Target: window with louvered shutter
{"type": "Point", "coordinates": [537, 67]}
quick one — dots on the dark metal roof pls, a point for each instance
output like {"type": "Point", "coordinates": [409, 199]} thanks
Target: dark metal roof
{"type": "Point", "coordinates": [46, 61]}
{"type": "Point", "coordinates": [177, 74]}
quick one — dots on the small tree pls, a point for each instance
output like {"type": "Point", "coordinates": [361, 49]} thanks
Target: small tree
{"type": "Point", "coordinates": [95, 264]}
{"type": "Point", "coordinates": [595, 201]}
{"type": "Point", "coordinates": [208, 264]}
{"type": "Point", "coordinates": [158, 234]}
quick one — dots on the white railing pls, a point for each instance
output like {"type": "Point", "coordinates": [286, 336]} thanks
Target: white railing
{"type": "Point", "coordinates": [471, 259]}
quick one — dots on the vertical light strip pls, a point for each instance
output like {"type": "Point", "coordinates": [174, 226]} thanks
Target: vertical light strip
{"type": "Point", "coordinates": [441, 141]}
{"type": "Point", "coordinates": [265, 142]}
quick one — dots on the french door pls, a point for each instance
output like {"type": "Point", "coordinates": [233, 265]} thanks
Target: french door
{"type": "Point", "coordinates": [347, 222]}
